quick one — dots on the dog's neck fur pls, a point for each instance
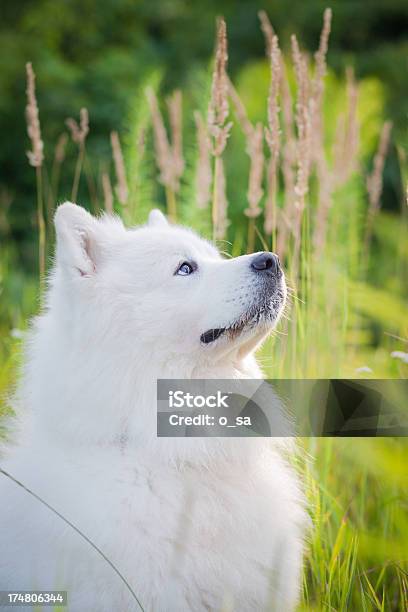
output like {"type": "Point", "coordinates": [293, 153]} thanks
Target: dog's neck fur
{"type": "Point", "coordinates": [55, 399]}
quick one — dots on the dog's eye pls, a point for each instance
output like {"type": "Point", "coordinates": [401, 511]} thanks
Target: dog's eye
{"type": "Point", "coordinates": [185, 269]}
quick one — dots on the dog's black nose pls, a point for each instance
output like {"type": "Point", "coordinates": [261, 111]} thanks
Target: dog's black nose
{"type": "Point", "coordinates": [266, 261]}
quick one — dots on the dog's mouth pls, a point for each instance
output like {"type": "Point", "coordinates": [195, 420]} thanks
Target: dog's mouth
{"type": "Point", "coordinates": [248, 320]}
{"type": "Point", "coordinates": [232, 331]}
{"type": "Point", "coordinates": [264, 314]}
{"type": "Point", "coordinates": [212, 334]}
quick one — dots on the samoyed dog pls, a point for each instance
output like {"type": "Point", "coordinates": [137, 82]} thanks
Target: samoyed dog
{"type": "Point", "coordinates": [185, 524]}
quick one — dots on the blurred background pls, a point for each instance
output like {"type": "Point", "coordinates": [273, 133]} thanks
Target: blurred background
{"type": "Point", "coordinates": [93, 55]}
{"type": "Point", "coordinates": [349, 307]}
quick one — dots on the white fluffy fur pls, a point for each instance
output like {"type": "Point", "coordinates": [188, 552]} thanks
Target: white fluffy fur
{"type": "Point", "coordinates": [194, 524]}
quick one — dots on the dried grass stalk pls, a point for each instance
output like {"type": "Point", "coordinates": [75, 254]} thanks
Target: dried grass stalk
{"type": "Point", "coordinates": [36, 158]}
{"type": "Point", "coordinates": [255, 191]}
{"type": "Point", "coordinates": [36, 155]}
{"type": "Point", "coordinates": [222, 221]}
{"type": "Point", "coordinates": [267, 30]}
{"type": "Point", "coordinates": [288, 156]}
{"type": "Point", "coordinates": [287, 106]}
{"type": "Point", "coordinates": [169, 157]}
{"type": "Point", "coordinates": [59, 156]}
{"type": "Point", "coordinates": [303, 123]}
{"type": "Point", "coordinates": [218, 108]}
{"type": "Point", "coordinates": [286, 97]}
{"type": "Point", "coordinates": [254, 148]}
{"type": "Point", "coordinates": [256, 154]}
{"type": "Point", "coordinates": [164, 157]}
{"type": "Point", "coordinates": [203, 172]}
{"type": "Point", "coordinates": [345, 162]}
{"type": "Point", "coordinates": [304, 138]}
{"type": "Point", "coordinates": [375, 185]}
{"type": "Point", "coordinates": [83, 123]}
{"type": "Point", "coordinates": [375, 179]}
{"type": "Point", "coordinates": [122, 190]}
{"type": "Point", "coordinates": [107, 193]}
{"type": "Point", "coordinates": [325, 186]}
{"type": "Point", "coordinates": [283, 223]}
{"type": "Point", "coordinates": [175, 106]}
{"type": "Point", "coordinates": [347, 136]}
{"type": "Point", "coordinates": [272, 135]}
{"type": "Point", "coordinates": [240, 111]}
{"type": "Point", "coordinates": [320, 59]}
{"type": "Point", "coordinates": [218, 127]}
{"type": "Point", "coordinates": [317, 89]}
{"type": "Point", "coordinates": [79, 132]}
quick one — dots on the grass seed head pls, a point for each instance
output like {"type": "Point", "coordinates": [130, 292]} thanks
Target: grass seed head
{"type": "Point", "coordinates": [80, 131]}
{"type": "Point", "coordinates": [36, 155]}
{"type": "Point", "coordinates": [203, 179]}
{"type": "Point", "coordinates": [218, 109]}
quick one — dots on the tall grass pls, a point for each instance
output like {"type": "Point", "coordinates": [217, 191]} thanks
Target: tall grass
{"type": "Point", "coordinates": [284, 171]}
{"type": "Point", "coordinates": [357, 557]}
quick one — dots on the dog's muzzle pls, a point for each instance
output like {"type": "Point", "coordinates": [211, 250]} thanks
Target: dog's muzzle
{"type": "Point", "coordinates": [271, 298]}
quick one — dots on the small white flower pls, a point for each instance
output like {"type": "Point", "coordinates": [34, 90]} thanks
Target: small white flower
{"type": "Point", "coordinates": [364, 370]}
{"type": "Point", "coordinates": [400, 355]}
{"type": "Point", "coordinates": [16, 333]}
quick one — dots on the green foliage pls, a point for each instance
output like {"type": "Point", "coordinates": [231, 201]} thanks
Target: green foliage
{"type": "Point", "coordinates": [140, 162]}
{"type": "Point", "coordinates": [358, 499]}
{"type": "Point", "coordinates": [197, 99]}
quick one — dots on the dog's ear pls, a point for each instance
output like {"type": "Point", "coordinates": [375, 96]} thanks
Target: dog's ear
{"type": "Point", "coordinates": [78, 244]}
{"type": "Point", "coordinates": [157, 219]}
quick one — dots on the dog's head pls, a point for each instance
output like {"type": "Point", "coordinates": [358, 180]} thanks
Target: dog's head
{"type": "Point", "coordinates": [163, 286]}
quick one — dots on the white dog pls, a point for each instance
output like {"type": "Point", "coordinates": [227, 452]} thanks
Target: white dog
{"type": "Point", "coordinates": [193, 524]}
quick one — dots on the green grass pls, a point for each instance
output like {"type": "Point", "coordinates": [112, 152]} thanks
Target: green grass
{"type": "Point", "coordinates": [357, 558]}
